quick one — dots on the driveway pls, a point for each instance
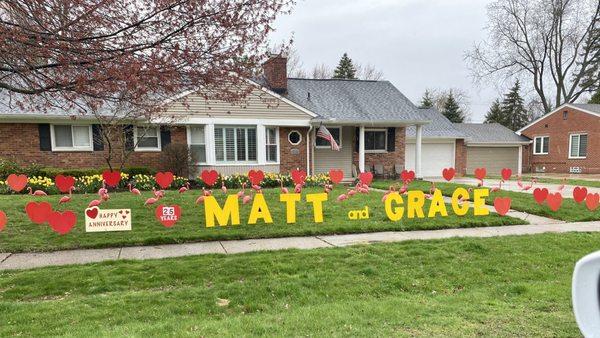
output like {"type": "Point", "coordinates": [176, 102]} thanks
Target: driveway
{"type": "Point", "coordinates": [587, 177]}
{"type": "Point", "coordinates": [512, 185]}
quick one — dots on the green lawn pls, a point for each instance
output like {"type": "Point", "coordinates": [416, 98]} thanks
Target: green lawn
{"type": "Point", "coordinates": [569, 211]}
{"type": "Point", "coordinates": [22, 235]}
{"type": "Point", "coordinates": [499, 287]}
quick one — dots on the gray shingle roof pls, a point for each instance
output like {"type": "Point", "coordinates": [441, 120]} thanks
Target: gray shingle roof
{"type": "Point", "coordinates": [353, 100]}
{"type": "Point", "coordinates": [588, 106]}
{"type": "Point", "coordinates": [440, 126]}
{"type": "Point", "coordinates": [489, 133]}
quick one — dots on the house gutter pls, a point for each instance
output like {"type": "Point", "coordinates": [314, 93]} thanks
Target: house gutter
{"type": "Point", "coordinates": [371, 123]}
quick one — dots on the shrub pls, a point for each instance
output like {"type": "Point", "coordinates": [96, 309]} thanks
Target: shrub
{"type": "Point", "coordinates": [175, 158]}
{"type": "Point", "coordinates": [8, 167]}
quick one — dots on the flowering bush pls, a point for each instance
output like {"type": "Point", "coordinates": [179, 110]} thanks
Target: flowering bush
{"type": "Point", "coordinates": [92, 183]}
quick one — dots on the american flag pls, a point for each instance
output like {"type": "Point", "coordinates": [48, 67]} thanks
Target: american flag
{"type": "Point", "coordinates": [325, 134]}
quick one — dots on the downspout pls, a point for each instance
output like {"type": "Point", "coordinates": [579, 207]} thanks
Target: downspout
{"type": "Point", "coordinates": [308, 171]}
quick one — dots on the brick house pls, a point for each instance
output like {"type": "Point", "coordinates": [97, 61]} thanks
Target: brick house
{"type": "Point", "coordinates": [566, 140]}
{"type": "Point", "coordinates": [273, 129]}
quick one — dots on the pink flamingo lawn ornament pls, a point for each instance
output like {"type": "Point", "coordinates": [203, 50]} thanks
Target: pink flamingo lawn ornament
{"type": "Point", "coordinates": [351, 192]}
{"type": "Point", "coordinates": [247, 198]}
{"type": "Point", "coordinates": [242, 192]}
{"type": "Point", "coordinates": [103, 190]}
{"type": "Point", "coordinates": [284, 190]}
{"type": "Point", "coordinates": [298, 188]}
{"type": "Point", "coordinates": [105, 197]}
{"type": "Point", "coordinates": [223, 188]}
{"type": "Point", "coordinates": [36, 193]}
{"type": "Point", "coordinates": [151, 201]}
{"type": "Point", "coordinates": [206, 192]}
{"type": "Point", "coordinates": [200, 199]}
{"type": "Point", "coordinates": [527, 187]}
{"type": "Point", "coordinates": [134, 190]}
{"type": "Point", "coordinates": [342, 197]}
{"type": "Point", "coordinates": [158, 193]}
{"type": "Point", "coordinates": [94, 203]}
{"type": "Point", "coordinates": [562, 186]}
{"type": "Point", "coordinates": [387, 193]}
{"type": "Point", "coordinates": [66, 199]}
{"type": "Point", "coordinates": [497, 188]}
{"type": "Point", "coordinates": [185, 188]}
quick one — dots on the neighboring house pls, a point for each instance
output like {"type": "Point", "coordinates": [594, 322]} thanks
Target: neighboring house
{"type": "Point", "coordinates": [493, 146]}
{"type": "Point", "coordinates": [273, 129]}
{"type": "Point", "coordinates": [566, 140]}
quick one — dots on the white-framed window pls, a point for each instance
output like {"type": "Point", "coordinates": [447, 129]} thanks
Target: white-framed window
{"type": "Point", "coordinates": [540, 145]}
{"type": "Point", "coordinates": [272, 141]}
{"type": "Point", "coordinates": [235, 144]}
{"type": "Point", "coordinates": [336, 132]}
{"type": "Point", "coordinates": [578, 144]}
{"type": "Point", "coordinates": [375, 140]}
{"type": "Point", "coordinates": [197, 143]}
{"type": "Point", "coordinates": [71, 138]}
{"type": "Point", "coordinates": [294, 137]}
{"type": "Point", "coordinates": [147, 138]}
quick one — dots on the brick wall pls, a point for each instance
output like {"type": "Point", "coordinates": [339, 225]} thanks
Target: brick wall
{"type": "Point", "coordinates": [388, 159]}
{"type": "Point", "coordinates": [291, 156]}
{"type": "Point", "coordinates": [20, 142]}
{"type": "Point", "coordinates": [559, 129]}
{"type": "Point", "coordinates": [460, 158]}
{"type": "Point", "coordinates": [275, 71]}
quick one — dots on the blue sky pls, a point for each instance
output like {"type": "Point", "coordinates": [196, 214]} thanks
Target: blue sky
{"type": "Point", "coordinates": [417, 44]}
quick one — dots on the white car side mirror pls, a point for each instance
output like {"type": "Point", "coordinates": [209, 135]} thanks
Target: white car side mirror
{"type": "Point", "coordinates": [586, 294]}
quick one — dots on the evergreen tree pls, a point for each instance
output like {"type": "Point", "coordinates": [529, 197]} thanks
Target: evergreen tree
{"type": "Point", "coordinates": [494, 115]}
{"type": "Point", "coordinates": [595, 98]}
{"type": "Point", "coordinates": [514, 114]}
{"type": "Point", "coordinates": [426, 100]}
{"type": "Point", "coordinates": [452, 110]}
{"type": "Point", "coordinates": [345, 69]}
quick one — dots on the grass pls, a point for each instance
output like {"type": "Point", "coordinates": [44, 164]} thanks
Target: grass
{"type": "Point", "coordinates": [569, 211]}
{"type": "Point", "coordinates": [509, 286]}
{"type": "Point", "coordinates": [570, 181]}
{"type": "Point", "coordinates": [22, 235]}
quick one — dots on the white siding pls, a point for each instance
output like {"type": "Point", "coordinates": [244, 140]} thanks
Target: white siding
{"type": "Point", "coordinates": [258, 104]}
{"type": "Point", "coordinates": [236, 169]}
{"type": "Point", "coordinates": [326, 159]}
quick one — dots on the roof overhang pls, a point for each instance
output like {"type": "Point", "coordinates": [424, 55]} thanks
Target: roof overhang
{"type": "Point", "coordinates": [497, 144]}
{"type": "Point", "coordinates": [368, 123]}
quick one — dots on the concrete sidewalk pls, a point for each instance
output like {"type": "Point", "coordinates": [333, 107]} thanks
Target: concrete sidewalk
{"type": "Point", "coordinates": [67, 257]}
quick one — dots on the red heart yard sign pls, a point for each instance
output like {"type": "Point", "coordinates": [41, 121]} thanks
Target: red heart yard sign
{"type": "Point", "coordinates": [209, 177]}
{"type": "Point", "coordinates": [554, 201]}
{"type": "Point", "coordinates": [365, 178]}
{"type": "Point", "coordinates": [506, 173]}
{"type": "Point", "coordinates": [298, 176]}
{"type": "Point", "coordinates": [168, 215]}
{"type": "Point", "coordinates": [3, 220]}
{"type": "Point", "coordinates": [92, 213]}
{"type": "Point", "coordinates": [256, 176]}
{"type": "Point", "coordinates": [165, 179]}
{"type": "Point", "coordinates": [480, 173]}
{"type": "Point", "coordinates": [16, 182]}
{"type": "Point", "coordinates": [38, 212]}
{"type": "Point", "coordinates": [579, 194]}
{"type": "Point", "coordinates": [62, 222]}
{"type": "Point", "coordinates": [336, 175]}
{"type": "Point", "coordinates": [502, 205]}
{"type": "Point", "coordinates": [64, 183]}
{"type": "Point", "coordinates": [112, 178]}
{"type": "Point", "coordinates": [407, 176]}
{"type": "Point", "coordinates": [539, 195]}
{"type": "Point", "coordinates": [448, 174]}
{"type": "Point", "coordinates": [592, 201]}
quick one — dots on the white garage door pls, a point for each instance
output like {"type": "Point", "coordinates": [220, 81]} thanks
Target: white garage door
{"type": "Point", "coordinates": [434, 158]}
